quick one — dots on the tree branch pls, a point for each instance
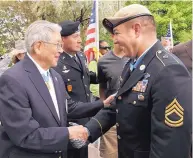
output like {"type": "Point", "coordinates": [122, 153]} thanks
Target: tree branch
{"type": "Point", "coordinates": [73, 12]}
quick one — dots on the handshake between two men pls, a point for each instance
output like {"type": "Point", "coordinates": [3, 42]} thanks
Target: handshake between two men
{"type": "Point", "coordinates": [78, 134]}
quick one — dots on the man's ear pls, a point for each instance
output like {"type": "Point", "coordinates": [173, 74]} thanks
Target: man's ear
{"type": "Point", "coordinates": [63, 39]}
{"type": "Point", "coordinates": [37, 47]}
{"type": "Point", "coordinates": [137, 29]}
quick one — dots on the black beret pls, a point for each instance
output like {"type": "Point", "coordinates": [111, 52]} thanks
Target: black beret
{"type": "Point", "coordinates": [69, 27]}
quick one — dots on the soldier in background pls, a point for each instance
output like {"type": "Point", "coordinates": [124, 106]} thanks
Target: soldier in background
{"type": "Point", "coordinates": [72, 66]}
{"type": "Point", "coordinates": [110, 67]}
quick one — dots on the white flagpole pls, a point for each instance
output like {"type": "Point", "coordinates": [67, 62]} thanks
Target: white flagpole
{"type": "Point", "coordinates": [171, 33]}
{"type": "Point", "coordinates": [97, 26]}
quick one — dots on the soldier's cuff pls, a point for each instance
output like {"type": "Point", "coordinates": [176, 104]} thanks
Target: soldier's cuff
{"type": "Point", "coordinates": [87, 131]}
{"type": "Point", "coordinates": [98, 124]}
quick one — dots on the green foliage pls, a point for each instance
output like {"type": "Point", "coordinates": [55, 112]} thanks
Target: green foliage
{"type": "Point", "coordinates": [107, 37]}
{"type": "Point", "coordinates": [14, 17]}
{"type": "Point", "coordinates": [58, 11]}
{"type": "Point", "coordinates": [180, 12]}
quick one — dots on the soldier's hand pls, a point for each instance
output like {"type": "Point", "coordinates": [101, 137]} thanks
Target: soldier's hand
{"type": "Point", "coordinates": [78, 132]}
{"type": "Point", "coordinates": [107, 102]}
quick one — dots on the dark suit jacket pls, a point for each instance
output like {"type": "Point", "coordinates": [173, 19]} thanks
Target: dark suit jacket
{"type": "Point", "coordinates": [152, 122]}
{"type": "Point", "coordinates": [30, 125]}
{"type": "Point", "coordinates": [184, 53]}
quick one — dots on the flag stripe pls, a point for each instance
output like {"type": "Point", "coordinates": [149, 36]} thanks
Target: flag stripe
{"type": "Point", "coordinates": [91, 31]}
{"type": "Point", "coordinates": [91, 45]}
{"type": "Point", "coordinates": [91, 40]}
{"type": "Point", "coordinates": [91, 35]}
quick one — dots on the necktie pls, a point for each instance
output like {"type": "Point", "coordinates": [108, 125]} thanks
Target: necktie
{"type": "Point", "coordinates": [46, 77]}
{"type": "Point", "coordinates": [129, 66]}
{"type": "Point", "coordinates": [77, 60]}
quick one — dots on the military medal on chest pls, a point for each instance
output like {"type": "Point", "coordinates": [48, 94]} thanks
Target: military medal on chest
{"type": "Point", "coordinates": [65, 69]}
{"type": "Point", "coordinates": [141, 97]}
{"type": "Point", "coordinates": [141, 86]}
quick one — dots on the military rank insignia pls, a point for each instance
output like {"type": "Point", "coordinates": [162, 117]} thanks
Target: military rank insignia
{"type": "Point", "coordinates": [69, 88]}
{"type": "Point", "coordinates": [140, 86]}
{"type": "Point", "coordinates": [174, 114]}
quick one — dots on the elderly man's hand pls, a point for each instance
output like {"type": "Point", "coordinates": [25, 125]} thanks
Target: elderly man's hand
{"type": "Point", "coordinates": [78, 132]}
{"type": "Point", "coordinates": [78, 135]}
{"type": "Point", "coordinates": [107, 102]}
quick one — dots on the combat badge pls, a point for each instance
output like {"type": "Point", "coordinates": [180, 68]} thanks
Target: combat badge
{"type": "Point", "coordinates": [174, 114]}
{"type": "Point", "coordinates": [64, 67]}
{"type": "Point", "coordinates": [65, 71]}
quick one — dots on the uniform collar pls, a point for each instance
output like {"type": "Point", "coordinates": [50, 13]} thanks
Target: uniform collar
{"type": "Point", "coordinates": [70, 55]}
{"type": "Point", "coordinates": [137, 61]}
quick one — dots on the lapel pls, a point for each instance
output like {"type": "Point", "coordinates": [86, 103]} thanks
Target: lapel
{"type": "Point", "coordinates": [188, 48]}
{"type": "Point", "coordinates": [83, 62]}
{"type": "Point", "coordinates": [66, 59]}
{"type": "Point", "coordinates": [58, 94]}
{"type": "Point", "coordinates": [40, 85]}
{"type": "Point", "coordinates": [138, 73]}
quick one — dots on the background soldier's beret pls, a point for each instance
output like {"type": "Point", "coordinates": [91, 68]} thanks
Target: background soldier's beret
{"type": "Point", "coordinates": [69, 27]}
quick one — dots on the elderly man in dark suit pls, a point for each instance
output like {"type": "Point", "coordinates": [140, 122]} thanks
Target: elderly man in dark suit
{"type": "Point", "coordinates": [34, 103]}
{"type": "Point", "coordinates": [184, 52]}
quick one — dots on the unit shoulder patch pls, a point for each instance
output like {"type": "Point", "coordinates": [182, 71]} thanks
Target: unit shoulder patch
{"type": "Point", "coordinates": [174, 114]}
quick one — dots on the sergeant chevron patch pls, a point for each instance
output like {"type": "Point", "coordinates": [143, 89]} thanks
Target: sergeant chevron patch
{"type": "Point", "coordinates": [174, 114]}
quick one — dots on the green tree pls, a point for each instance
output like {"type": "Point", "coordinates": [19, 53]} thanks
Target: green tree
{"type": "Point", "coordinates": [14, 17]}
{"type": "Point", "coordinates": [180, 12]}
{"type": "Point", "coordinates": [58, 11]}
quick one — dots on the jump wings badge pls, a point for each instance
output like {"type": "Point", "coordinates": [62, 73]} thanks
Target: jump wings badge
{"type": "Point", "coordinates": [174, 114]}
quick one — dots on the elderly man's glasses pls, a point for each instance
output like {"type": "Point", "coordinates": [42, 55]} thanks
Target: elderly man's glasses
{"type": "Point", "coordinates": [58, 45]}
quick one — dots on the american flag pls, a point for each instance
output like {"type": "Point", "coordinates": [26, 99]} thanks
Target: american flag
{"type": "Point", "coordinates": [169, 32]}
{"type": "Point", "coordinates": [91, 39]}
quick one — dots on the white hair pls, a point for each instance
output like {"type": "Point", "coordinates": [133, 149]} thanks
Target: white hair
{"type": "Point", "coordinates": [40, 30]}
